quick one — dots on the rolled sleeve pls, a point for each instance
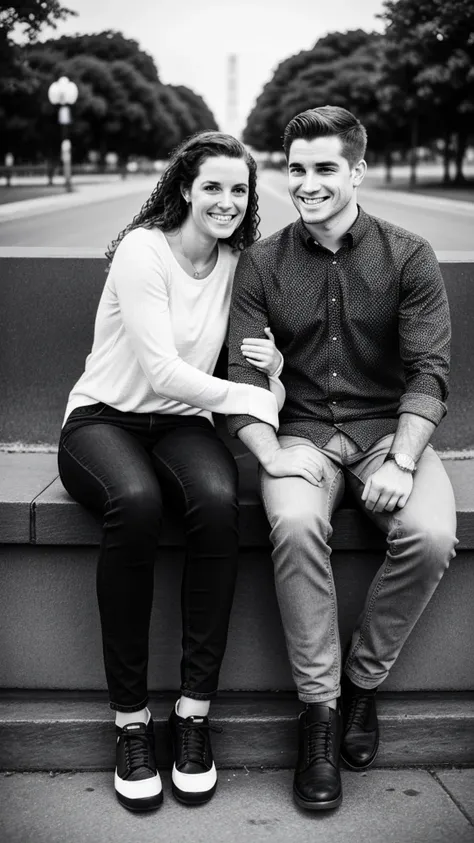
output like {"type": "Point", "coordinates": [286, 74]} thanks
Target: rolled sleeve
{"type": "Point", "coordinates": [424, 335]}
{"type": "Point", "coordinates": [422, 405]}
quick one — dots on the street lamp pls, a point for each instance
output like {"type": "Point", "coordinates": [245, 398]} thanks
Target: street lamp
{"type": "Point", "coordinates": [64, 94]}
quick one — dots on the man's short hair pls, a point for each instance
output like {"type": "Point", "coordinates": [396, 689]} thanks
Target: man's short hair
{"type": "Point", "coordinates": [327, 121]}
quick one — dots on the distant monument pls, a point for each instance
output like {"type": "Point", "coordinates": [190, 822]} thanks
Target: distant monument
{"type": "Point", "coordinates": [232, 111]}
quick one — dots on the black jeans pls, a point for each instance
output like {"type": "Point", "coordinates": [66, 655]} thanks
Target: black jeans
{"type": "Point", "coordinates": [121, 465]}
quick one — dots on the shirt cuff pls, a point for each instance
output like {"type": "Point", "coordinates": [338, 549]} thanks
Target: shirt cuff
{"type": "Point", "coordinates": [279, 370]}
{"type": "Point", "coordinates": [423, 405]}
{"type": "Point", "coordinates": [236, 423]}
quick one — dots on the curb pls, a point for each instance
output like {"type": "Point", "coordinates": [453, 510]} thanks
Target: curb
{"type": "Point", "coordinates": [83, 196]}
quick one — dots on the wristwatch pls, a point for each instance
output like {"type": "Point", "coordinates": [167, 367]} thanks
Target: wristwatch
{"type": "Point", "coordinates": [404, 461]}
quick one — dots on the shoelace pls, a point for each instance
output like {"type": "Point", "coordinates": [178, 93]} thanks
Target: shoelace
{"type": "Point", "coordinates": [319, 738]}
{"type": "Point", "coordinates": [195, 739]}
{"type": "Point", "coordinates": [136, 751]}
{"type": "Point", "coordinates": [358, 710]}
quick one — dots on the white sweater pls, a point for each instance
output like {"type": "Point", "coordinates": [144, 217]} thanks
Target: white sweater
{"type": "Point", "coordinates": [157, 336]}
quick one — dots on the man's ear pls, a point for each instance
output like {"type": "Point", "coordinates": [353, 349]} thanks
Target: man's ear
{"type": "Point", "coordinates": [358, 173]}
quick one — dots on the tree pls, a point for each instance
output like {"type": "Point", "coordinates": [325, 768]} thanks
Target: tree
{"type": "Point", "coordinates": [429, 69]}
{"type": "Point", "coordinates": [122, 105]}
{"type": "Point", "coordinates": [29, 17]}
{"type": "Point", "coordinates": [341, 69]}
{"type": "Point", "coordinates": [201, 115]}
{"type": "Point", "coordinates": [109, 46]}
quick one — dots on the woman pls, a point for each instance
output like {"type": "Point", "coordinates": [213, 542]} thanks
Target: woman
{"type": "Point", "coordinates": [138, 429]}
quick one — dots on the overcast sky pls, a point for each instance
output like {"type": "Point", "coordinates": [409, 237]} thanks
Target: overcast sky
{"type": "Point", "coordinates": [190, 40]}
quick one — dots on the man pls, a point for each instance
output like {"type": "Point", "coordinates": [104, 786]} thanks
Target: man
{"type": "Point", "coordinates": [359, 310]}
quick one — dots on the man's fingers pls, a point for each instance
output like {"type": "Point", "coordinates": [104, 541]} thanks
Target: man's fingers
{"type": "Point", "coordinates": [307, 475]}
{"type": "Point", "coordinates": [392, 502]}
{"type": "Point", "coordinates": [372, 497]}
{"type": "Point", "coordinates": [382, 502]}
{"type": "Point", "coordinates": [269, 334]}
{"type": "Point", "coordinates": [366, 491]}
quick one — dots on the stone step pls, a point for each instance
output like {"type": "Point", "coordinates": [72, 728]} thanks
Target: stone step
{"type": "Point", "coordinates": [71, 731]}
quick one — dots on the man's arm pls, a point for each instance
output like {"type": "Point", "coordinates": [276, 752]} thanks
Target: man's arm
{"type": "Point", "coordinates": [389, 486]}
{"type": "Point", "coordinates": [424, 336]}
{"type": "Point", "coordinates": [249, 318]}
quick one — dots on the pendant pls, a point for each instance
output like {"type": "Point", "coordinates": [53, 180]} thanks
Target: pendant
{"type": "Point", "coordinates": [196, 274]}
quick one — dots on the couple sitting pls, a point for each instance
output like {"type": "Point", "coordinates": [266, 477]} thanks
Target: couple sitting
{"type": "Point", "coordinates": [358, 310]}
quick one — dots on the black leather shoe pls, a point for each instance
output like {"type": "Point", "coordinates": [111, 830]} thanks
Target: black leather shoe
{"type": "Point", "coordinates": [360, 740]}
{"type": "Point", "coordinates": [317, 783]}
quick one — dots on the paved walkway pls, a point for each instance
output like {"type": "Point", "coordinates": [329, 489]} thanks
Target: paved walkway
{"type": "Point", "coordinates": [252, 806]}
{"type": "Point", "coordinates": [84, 194]}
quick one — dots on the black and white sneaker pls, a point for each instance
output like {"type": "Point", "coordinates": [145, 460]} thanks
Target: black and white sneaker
{"type": "Point", "coordinates": [137, 781]}
{"type": "Point", "coordinates": [194, 776]}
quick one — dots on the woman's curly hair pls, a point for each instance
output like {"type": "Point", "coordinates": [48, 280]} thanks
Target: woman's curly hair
{"type": "Point", "coordinates": [166, 207]}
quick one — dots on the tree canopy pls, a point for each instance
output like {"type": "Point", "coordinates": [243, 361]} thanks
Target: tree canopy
{"type": "Point", "coordinates": [122, 104]}
{"type": "Point", "coordinates": [412, 85]}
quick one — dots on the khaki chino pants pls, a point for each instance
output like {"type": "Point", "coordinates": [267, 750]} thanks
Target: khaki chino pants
{"type": "Point", "coordinates": [421, 541]}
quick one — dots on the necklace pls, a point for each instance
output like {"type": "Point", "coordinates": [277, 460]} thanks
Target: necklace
{"type": "Point", "coordinates": [197, 272]}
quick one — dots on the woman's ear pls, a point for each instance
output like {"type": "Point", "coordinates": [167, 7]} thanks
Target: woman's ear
{"type": "Point", "coordinates": [185, 194]}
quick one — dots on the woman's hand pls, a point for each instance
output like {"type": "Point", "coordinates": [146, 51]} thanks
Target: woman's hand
{"type": "Point", "coordinates": [263, 354]}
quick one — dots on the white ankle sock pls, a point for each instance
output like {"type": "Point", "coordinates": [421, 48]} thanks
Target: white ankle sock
{"type": "Point", "coordinates": [331, 703]}
{"type": "Point", "coordinates": [188, 707]}
{"type": "Point", "coordinates": [123, 718]}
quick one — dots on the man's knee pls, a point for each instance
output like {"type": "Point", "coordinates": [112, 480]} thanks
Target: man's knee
{"type": "Point", "coordinates": [296, 522]}
{"type": "Point", "coordinates": [434, 544]}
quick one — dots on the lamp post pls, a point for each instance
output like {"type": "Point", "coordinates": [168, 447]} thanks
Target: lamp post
{"type": "Point", "coordinates": [63, 93]}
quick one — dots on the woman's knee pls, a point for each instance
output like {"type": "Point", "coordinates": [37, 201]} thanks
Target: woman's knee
{"type": "Point", "coordinates": [137, 511]}
{"type": "Point", "coordinates": [215, 495]}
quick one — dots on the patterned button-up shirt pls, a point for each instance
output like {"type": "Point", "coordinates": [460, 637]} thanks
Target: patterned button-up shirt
{"type": "Point", "coordinates": [365, 332]}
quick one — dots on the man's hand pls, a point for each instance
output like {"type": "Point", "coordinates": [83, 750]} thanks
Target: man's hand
{"type": "Point", "coordinates": [387, 488]}
{"type": "Point", "coordinates": [299, 460]}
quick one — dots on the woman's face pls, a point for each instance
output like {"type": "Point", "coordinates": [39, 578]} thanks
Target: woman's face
{"type": "Point", "coordinates": [219, 196]}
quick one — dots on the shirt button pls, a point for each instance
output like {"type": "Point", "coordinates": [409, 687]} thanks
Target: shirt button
{"type": "Point", "coordinates": [334, 339]}
{"type": "Point", "coordinates": [334, 374]}
{"type": "Point", "coordinates": [333, 299]}
{"type": "Point", "coordinates": [334, 263]}
{"type": "Point", "coordinates": [334, 402]}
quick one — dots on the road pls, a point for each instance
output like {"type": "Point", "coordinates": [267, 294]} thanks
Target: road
{"type": "Point", "coordinates": [448, 225]}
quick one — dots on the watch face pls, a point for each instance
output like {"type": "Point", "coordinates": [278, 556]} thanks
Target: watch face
{"type": "Point", "coordinates": [405, 461]}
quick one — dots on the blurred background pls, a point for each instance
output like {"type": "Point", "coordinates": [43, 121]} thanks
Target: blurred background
{"type": "Point", "coordinates": [94, 96]}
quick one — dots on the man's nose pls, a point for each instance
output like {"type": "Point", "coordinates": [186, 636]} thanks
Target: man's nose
{"type": "Point", "coordinates": [312, 182]}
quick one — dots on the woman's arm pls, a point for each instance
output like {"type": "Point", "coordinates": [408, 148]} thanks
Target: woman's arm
{"type": "Point", "coordinates": [139, 275]}
{"type": "Point", "coordinates": [264, 355]}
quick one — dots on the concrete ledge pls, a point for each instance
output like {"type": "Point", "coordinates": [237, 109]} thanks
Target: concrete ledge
{"type": "Point", "coordinates": [51, 297]}
{"type": "Point", "coordinates": [75, 732]}
{"type": "Point", "coordinates": [35, 508]}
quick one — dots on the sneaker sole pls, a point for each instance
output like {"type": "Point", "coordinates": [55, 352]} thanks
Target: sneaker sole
{"type": "Point", "coordinates": [316, 806]}
{"type": "Point", "coordinates": [187, 798]}
{"type": "Point", "coordinates": [148, 803]}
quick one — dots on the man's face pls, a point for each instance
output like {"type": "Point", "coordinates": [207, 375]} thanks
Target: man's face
{"type": "Point", "coordinates": [320, 180]}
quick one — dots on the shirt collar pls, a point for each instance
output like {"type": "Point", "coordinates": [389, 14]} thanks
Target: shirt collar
{"type": "Point", "coordinates": [352, 237]}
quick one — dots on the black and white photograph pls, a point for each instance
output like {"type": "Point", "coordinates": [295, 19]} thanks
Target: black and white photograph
{"type": "Point", "coordinates": [237, 421]}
